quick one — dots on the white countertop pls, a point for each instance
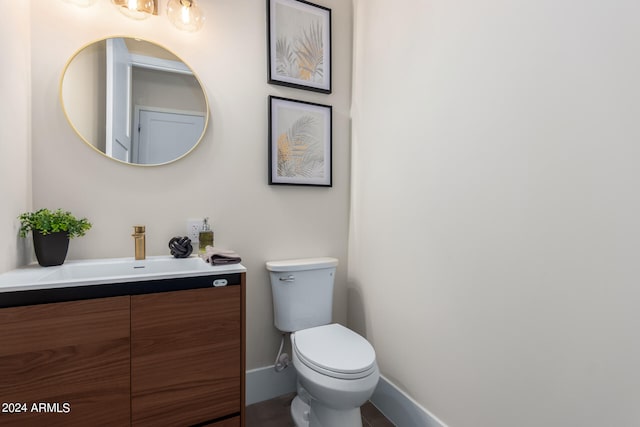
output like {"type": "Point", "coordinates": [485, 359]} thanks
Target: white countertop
{"type": "Point", "coordinates": [109, 270]}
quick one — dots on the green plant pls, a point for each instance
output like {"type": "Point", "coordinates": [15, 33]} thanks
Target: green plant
{"type": "Point", "coordinates": [47, 222]}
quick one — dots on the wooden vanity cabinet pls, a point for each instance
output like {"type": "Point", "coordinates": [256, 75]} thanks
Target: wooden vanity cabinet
{"type": "Point", "coordinates": [73, 356]}
{"type": "Point", "coordinates": [171, 358]}
{"type": "Point", "coordinates": [185, 364]}
{"type": "Point", "coordinates": [229, 422]}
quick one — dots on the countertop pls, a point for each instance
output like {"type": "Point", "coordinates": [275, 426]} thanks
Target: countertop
{"type": "Point", "coordinates": [117, 276]}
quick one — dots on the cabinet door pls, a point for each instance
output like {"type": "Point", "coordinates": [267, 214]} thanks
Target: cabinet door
{"type": "Point", "coordinates": [230, 422]}
{"type": "Point", "coordinates": [65, 364]}
{"type": "Point", "coordinates": [185, 356]}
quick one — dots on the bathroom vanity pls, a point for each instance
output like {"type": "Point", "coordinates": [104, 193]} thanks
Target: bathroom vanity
{"type": "Point", "coordinates": [121, 342]}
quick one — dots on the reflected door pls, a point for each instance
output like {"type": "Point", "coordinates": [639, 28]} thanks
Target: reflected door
{"type": "Point", "coordinates": [118, 125]}
{"type": "Point", "coordinates": [164, 136]}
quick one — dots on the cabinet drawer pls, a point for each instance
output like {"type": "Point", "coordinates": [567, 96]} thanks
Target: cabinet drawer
{"type": "Point", "coordinates": [230, 422]}
{"type": "Point", "coordinates": [185, 356]}
{"type": "Point", "coordinates": [73, 353]}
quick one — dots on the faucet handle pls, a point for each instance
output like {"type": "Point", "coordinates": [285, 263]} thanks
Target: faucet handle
{"type": "Point", "coordinates": [138, 228]}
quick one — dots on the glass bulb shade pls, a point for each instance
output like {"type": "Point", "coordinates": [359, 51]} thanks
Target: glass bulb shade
{"type": "Point", "coordinates": [137, 9]}
{"type": "Point", "coordinates": [185, 15]}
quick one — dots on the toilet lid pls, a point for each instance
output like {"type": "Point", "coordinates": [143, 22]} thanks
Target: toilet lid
{"type": "Point", "coordinates": [336, 349]}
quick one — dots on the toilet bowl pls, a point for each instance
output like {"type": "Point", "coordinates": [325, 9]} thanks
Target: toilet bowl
{"type": "Point", "coordinates": [336, 367]}
{"type": "Point", "coordinates": [337, 372]}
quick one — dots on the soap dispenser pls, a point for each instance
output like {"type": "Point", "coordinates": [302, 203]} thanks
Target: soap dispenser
{"type": "Point", "coordinates": [206, 236]}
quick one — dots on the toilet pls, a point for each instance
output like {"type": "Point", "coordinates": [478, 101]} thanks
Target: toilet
{"type": "Point", "coordinates": [336, 367]}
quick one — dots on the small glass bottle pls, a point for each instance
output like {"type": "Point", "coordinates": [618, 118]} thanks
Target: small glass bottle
{"type": "Point", "coordinates": [205, 237]}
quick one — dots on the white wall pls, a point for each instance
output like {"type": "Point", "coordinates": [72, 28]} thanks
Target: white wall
{"type": "Point", "coordinates": [84, 91]}
{"type": "Point", "coordinates": [15, 133]}
{"type": "Point", "coordinates": [224, 178]}
{"type": "Point", "coordinates": [494, 240]}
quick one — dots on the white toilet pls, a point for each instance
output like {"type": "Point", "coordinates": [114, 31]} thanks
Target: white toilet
{"type": "Point", "coordinates": [337, 369]}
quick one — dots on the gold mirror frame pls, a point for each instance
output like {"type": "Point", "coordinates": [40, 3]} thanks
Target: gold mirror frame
{"type": "Point", "coordinates": [205, 101]}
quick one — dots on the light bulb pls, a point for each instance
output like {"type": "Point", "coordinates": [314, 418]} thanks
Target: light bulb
{"type": "Point", "coordinates": [137, 9]}
{"type": "Point", "coordinates": [185, 14]}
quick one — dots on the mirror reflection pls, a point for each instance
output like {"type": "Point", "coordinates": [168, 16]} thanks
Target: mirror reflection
{"type": "Point", "coordinates": [134, 101]}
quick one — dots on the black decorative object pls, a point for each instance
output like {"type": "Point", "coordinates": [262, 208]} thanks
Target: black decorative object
{"type": "Point", "coordinates": [180, 247]}
{"type": "Point", "coordinates": [51, 249]}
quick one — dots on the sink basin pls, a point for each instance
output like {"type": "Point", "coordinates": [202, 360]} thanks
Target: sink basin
{"type": "Point", "coordinates": [127, 267]}
{"type": "Point", "coordinates": [112, 270]}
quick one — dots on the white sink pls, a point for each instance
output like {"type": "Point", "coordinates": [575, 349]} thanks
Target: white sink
{"type": "Point", "coordinates": [112, 270]}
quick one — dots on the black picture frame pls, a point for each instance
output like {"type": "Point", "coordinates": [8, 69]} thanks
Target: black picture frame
{"type": "Point", "coordinates": [300, 143]}
{"type": "Point", "coordinates": [299, 55]}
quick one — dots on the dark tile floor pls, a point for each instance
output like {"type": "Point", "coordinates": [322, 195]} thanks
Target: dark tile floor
{"type": "Point", "coordinates": [275, 413]}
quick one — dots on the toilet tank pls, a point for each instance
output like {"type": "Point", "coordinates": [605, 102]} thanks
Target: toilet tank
{"type": "Point", "coordinates": [302, 292]}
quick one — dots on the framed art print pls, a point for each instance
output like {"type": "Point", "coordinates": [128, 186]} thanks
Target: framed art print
{"type": "Point", "coordinates": [299, 142]}
{"type": "Point", "coordinates": [299, 43]}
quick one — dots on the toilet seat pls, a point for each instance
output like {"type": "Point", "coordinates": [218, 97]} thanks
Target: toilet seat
{"type": "Point", "coordinates": [335, 351]}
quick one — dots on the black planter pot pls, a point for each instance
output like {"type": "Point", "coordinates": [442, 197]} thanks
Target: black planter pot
{"type": "Point", "coordinates": [51, 249]}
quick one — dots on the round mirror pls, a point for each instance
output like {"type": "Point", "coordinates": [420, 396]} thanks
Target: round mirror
{"type": "Point", "coordinates": [134, 101]}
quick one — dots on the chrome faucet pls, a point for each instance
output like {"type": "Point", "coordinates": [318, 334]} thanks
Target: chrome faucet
{"type": "Point", "coordinates": [139, 239]}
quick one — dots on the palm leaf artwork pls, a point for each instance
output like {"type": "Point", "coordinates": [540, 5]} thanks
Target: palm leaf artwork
{"type": "Point", "coordinates": [286, 64]}
{"type": "Point", "coordinates": [310, 54]}
{"type": "Point", "coordinates": [301, 56]}
{"type": "Point", "coordinates": [300, 152]}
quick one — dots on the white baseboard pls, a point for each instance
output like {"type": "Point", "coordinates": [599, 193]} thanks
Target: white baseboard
{"type": "Point", "coordinates": [265, 383]}
{"type": "Point", "coordinates": [400, 408]}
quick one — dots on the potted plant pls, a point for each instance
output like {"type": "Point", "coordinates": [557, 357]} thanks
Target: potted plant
{"type": "Point", "coordinates": [51, 232]}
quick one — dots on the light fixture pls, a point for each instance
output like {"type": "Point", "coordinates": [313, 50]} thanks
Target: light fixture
{"type": "Point", "coordinates": [137, 9]}
{"type": "Point", "coordinates": [185, 14]}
